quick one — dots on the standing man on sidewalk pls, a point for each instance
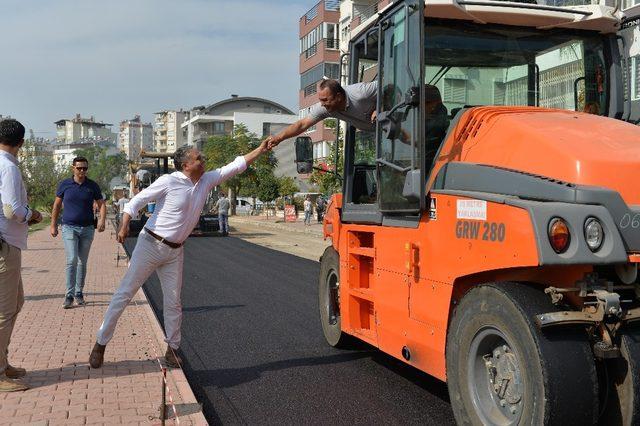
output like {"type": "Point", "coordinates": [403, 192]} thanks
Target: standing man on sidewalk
{"type": "Point", "coordinates": [15, 218]}
{"type": "Point", "coordinates": [179, 199]}
{"type": "Point", "coordinates": [223, 205]}
{"type": "Point", "coordinates": [76, 195]}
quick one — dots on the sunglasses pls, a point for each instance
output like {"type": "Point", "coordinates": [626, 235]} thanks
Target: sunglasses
{"type": "Point", "coordinates": [82, 168]}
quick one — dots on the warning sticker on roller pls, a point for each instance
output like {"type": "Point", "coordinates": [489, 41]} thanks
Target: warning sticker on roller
{"type": "Point", "coordinates": [472, 209]}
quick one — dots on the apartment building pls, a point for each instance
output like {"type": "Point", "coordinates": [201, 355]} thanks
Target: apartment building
{"type": "Point", "coordinates": [78, 128]}
{"type": "Point", "coordinates": [63, 154]}
{"type": "Point", "coordinates": [134, 137]}
{"type": "Point", "coordinates": [262, 117]}
{"type": "Point", "coordinates": [168, 135]}
{"type": "Point", "coordinates": [319, 59]}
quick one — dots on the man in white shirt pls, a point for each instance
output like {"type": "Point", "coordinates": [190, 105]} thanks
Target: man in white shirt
{"type": "Point", "coordinates": [179, 199]}
{"type": "Point", "coordinates": [15, 218]}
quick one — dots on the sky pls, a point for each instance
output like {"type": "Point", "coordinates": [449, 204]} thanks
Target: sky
{"type": "Point", "coordinates": [115, 59]}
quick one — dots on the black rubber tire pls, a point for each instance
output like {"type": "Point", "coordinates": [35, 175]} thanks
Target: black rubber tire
{"type": "Point", "coordinates": [557, 368]}
{"type": "Point", "coordinates": [623, 374]}
{"type": "Point", "coordinates": [329, 265]}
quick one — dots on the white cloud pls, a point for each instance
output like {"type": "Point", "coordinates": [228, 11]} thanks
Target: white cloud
{"type": "Point", "coordinates": [115, 59]}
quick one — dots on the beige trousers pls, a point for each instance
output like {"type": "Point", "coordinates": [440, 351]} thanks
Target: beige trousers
{"type": "Point", "coordinates": [11, 296]}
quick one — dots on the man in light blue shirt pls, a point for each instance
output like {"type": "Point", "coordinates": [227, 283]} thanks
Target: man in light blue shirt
{"type": "Point", "coordinates": [15, 218]}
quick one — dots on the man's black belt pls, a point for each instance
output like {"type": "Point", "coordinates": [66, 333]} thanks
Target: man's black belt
{"type": "Point", "coordinates": [162, 240]}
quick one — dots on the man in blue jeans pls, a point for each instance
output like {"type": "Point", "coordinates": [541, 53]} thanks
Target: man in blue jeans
{"type": "Point", "coordinates": [76, 196]}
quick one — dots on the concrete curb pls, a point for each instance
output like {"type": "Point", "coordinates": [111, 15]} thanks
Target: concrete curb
{"type": "Point", "coordinates": [315, 230]}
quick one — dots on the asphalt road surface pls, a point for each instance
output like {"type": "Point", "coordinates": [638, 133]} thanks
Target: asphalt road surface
{"type": "Point", "coordinates": [254, 352]}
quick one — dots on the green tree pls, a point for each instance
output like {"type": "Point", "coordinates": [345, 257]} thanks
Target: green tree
{"type": "Point", "coordinates": [268, 187]}
{"type": "Point", "coordinates": [221, 150]}
{"type": "Point", "coordinates": [328, 183]}
{"type": "Point", "coordinates": [41, 176]}
{"type": "Point", "coordinates": [287, 186]}
{"type": "Point", "coordinates": [103, 167]}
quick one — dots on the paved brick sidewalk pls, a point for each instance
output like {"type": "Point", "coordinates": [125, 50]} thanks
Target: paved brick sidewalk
{"type": "Point", "coordinates": [53, 344]}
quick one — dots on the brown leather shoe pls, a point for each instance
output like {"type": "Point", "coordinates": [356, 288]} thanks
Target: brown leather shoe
{"type": "Point", "coordinates": [14, 372]}
{"type": "Point", "coordinates": [11, 385]}
{"type": "Point", "coordinates": [97, 355]}
{"type": "Point", "coordinates": [172, 359]}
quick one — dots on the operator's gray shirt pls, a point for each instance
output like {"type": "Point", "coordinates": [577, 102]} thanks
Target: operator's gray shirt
{"type": "Point", "coordinates": [361, 102]}
{"type": "Point", "coordinates": [223, 205]}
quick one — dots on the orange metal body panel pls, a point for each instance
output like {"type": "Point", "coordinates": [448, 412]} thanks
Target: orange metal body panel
{"type": "Point", "coordinates": [550, 143]}
{"type": "Point", "coordinates": [396, 284]}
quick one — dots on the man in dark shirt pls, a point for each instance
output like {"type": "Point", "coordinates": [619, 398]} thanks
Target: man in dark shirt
{"type": "Point", "coordinates": [76, 195]}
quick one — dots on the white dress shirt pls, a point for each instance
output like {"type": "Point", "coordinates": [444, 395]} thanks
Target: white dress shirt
{"type": "Point", "coordinates": [178, 201]}
{"type": "Point", "coordinates": [13, 196]}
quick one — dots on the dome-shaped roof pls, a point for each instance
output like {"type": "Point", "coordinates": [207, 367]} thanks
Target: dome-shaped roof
{"type": "Point", "coordinates": [241, 99]}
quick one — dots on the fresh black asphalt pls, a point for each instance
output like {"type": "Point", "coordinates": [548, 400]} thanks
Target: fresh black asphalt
{"type": "Point", "coordinates": [254, 352]}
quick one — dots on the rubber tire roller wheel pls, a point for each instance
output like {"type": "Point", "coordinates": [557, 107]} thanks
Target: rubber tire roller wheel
{"type": "Point", "coordinates": [330, 269]}
{"type": "Point", "coordinates": [623, 398]}
{"type": "Point", "coordinates": [559, 383]}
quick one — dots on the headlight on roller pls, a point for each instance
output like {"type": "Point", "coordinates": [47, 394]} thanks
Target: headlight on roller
{"type": "Point", "coordinates": [593, 233]}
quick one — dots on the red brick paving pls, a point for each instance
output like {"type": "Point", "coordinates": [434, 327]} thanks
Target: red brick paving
{"type": "Point", "coordinates": [53, 344]}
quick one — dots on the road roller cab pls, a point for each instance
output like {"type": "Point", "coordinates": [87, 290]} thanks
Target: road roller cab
{"type": "Point", "coordinates": [487, 232]}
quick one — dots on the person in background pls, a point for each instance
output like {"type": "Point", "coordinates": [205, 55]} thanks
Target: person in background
{"type": "Point", "coordinates": [76, 196]}
{"type": "Point", "coordinates": [15, 218]}
{"type": "Point", "coordinates": [320, 206]}
{"type": "Point", "coordinates": [222, 205]}
{"type": "Point", "coordinates": [308, 210]}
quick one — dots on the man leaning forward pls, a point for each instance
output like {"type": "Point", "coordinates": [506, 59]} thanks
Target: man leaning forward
{"type": "Point", "coordinates": [179, 197]}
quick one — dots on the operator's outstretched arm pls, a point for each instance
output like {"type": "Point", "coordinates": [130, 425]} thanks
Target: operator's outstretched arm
{"type": "Point", "coordinates": [291, 131]}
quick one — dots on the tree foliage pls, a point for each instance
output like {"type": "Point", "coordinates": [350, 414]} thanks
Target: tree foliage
{"type": "Point", "coordinates": [41, 176]}
{"type": "Point", "coordinates": [287, 186]}
{"type": "Point", "coordinates": [103, 167]}
{"type": "Point", "coordinates": [328, 183]}
{"type": "Point", "coordinates": [221, 150]}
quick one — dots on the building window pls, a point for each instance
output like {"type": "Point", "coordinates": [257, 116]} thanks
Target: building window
{"type": "Point", "coordinates": [317, 73]}
{"type": "Point", "coordinates": [311, 89]}
{"type": "Point", "coordinates": [218, 127]}
{"type": "Point", "coordinates": [266, 129]}
{"type": "Point", "coordinates": [499, 91]}
{"type": "Point", "coordinates": [326, 31]}
{"type": "Point", "coordinates": [330, 35]}
{"type": "Point", "coordinates": [455, 90]}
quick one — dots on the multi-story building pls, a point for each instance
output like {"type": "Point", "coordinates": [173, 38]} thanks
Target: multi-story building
{"type": "Point", "coordinates": [63, 154]}
{"type": "Point", "coordinates": [262, 117]}
{"type": "Point", "coordinates": [134, 137]}
{"type": "Point", "coordinates": [319, 58]}
{"type": "Point", "coordinates": [167, 135]}
{"type": "Point", "coordinates": [78, 128]}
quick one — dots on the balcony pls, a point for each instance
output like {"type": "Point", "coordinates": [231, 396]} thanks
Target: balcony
{"type": "Point", "coordinates": [361, 14]}
{"type": "Point", "coordinates": [331, 5]}
{"type": "Point", "coordinates": [329, 43]}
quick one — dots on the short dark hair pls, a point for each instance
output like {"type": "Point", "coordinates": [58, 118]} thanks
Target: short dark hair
{"type": "Point", "coordinates": [181, 156]}
{"type": "Point", "coordinates": [79, 160]}
{"type": "Point", "coordinates": [334, 87]}
{"type": "Point", "coordinates": [11, 132]}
